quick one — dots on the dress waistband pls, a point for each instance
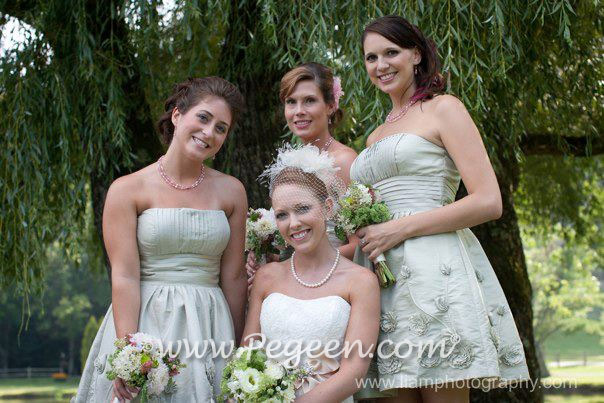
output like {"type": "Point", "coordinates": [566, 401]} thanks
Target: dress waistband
{"type": "Point", "coordinates": [191, 269]}
{"type": "Point", "coordinates": [415, 193]}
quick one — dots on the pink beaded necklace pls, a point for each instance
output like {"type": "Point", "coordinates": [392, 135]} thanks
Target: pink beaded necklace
{"type": "Point", "coordinates": [404, 110]}
{"type": "Point", "coordinates": [172, 182]}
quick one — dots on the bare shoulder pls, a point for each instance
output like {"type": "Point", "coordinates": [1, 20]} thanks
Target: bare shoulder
{"type": "Point", "coordinates": [447, 103]}
{"type": "Point", "coordinates": [270, 274]}
{"type": "Point", "coordinates": [226, 182]}
{"type": "Point", "coordinates": [359, 276]}
{"type": "Point", "coordinates": [125, 188]}
{"type": "Point", "coordinates": [364, 276]}
{"type": "Point", "coordinates": [344, 155]}
{"type": "Point", "coordinates": [229, 190]}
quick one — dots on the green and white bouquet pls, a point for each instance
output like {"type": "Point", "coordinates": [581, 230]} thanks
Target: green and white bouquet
{"type": "Point", "coordinates": [140, 362]}
{"type": "Point", "coordinates": [359, 207]}
{"type": "Point", "coordinates": [250, 376]}
{"type": "Point", "coordinates": [261, 233]}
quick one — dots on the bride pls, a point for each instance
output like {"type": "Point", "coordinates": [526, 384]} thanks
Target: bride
{"type": "Point", "coordinates": [317, 298]}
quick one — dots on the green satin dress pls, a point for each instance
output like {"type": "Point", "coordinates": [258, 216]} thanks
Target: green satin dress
{"type": "Point", "coordinates": [446, 290]}
{"type": "Point", "coordinates": [180, 251]}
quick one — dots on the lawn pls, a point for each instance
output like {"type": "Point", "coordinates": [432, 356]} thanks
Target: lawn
{"type": "Point", "coordinates": [574, 398]}
{"type": "Point", "coordinates": [579, 375]}
{"type": "Point", "coordinates": [573, 346]}
{"type": "Point", "coordinates": [38, 387]}
{"type": "Point", "coordinates": [49, 390]}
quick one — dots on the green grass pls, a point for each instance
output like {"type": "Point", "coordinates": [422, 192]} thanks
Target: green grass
{"type": "Point", "coordinates": [38, 387]}
{"type": "Point", "coordinates": [574, 398]}
{"type": "Point", "coordinates": [579, 375]}
{"type": "Point", "coordinates": [573, 346]}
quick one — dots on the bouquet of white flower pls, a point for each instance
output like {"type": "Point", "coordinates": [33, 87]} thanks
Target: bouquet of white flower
{"type": "Point", "coordinates": [250, 376]}
{"type": "Point", "coordinates": [138, 360]}
{"type": "Point", "coordinates": [261, 233]}
{"type": "Point", "coordinates": [358, 208]}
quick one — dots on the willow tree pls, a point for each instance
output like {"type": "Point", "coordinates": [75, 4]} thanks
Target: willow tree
{"type": "Point", "coordinates": [80, 94]}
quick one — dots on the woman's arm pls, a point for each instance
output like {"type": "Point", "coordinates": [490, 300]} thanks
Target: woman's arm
{"type": "Point", "coordinates": [363, 327]}
{"type": "Point", "coordinates": [119, 234]}
{"type": "Point", "coordinates": [348, 249]}
{"type": "Point", "coordinates": [344, 161]}
{"type": "Point", "coordinates": [233, 280]}
{"type": "Point", "coordinates": [483, 202]}
{"type": "Point", "coordinates": [264, 276]}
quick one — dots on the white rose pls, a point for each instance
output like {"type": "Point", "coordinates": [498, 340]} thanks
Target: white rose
{"type": "Point", "coordinates": [274, 370]}
{"type": "Point", "coordinates": [249, 379]}
{"type": "Point", "coordinates": [265, 228]}
{"type": "Point", "coordinates": [158, 379]}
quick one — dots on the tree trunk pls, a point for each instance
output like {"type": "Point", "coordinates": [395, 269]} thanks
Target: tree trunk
{"type": "Point", "coordinates": [541, 359]}
{"type": "Point", "coordinates": [247, 62]}
{"type": "Point", "coordinates": [4, 349]}
{"type": "Point", "coordinates": [144, 141]}
{"type": "Point", "coordinates": [502, 243]}
{"type": "Point", "coordinates": [71, 356]}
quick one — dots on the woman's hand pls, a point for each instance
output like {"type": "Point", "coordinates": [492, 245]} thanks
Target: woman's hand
{"type": "Point", "coordinates": [251, 267]}
{"type": "Point", "coordinates": [378, 238]}
{"type": "Point", "coordinates": [121, 391]}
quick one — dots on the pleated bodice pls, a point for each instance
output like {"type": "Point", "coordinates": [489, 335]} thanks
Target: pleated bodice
{"type": "Point", "coordinates": [411, 173]}
{"type": "Point", "coordinates": [182, 245]}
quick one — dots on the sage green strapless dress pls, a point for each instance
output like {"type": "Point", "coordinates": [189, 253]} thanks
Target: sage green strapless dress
{"type": "Point", "coordinates": [446, 289]}
{"type": "Point", "coordinates": [180, 251]}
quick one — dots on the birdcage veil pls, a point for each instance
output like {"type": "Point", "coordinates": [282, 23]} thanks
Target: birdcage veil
{"type": "Point", "coordinates": [308, 168]}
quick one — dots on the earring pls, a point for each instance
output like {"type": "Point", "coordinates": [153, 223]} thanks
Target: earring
{"type": "Point", "coordinates": [214, 156]}
{"type": "Point", "coordinates": [329, 120]}
{"type": "Point", "coordinates": [415, 70]}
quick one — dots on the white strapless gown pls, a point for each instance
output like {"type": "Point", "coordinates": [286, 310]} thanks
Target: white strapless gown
{"type": "Point", "coordinates": [304, 321]}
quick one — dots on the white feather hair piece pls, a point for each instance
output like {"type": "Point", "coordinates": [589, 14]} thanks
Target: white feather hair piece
{"type": "Point", "coordinates": [307, 158]}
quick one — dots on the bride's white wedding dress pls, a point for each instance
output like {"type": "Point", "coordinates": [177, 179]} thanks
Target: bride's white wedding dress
{"type": "Point", "coordinates": [311, 324]}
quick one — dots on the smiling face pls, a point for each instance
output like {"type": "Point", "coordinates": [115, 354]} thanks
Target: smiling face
{"type": "Point", "coordinates": [306, 112]}
{"type": "Point", "coordinates": [390, 67]}
{"type": "Point", "coordinates": [300, 216]}
{"type": "Point", "coordinates": [202, 130]}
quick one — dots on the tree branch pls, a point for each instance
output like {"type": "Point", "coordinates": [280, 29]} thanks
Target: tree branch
{"type": "Point", "coordinates": [551, 144]}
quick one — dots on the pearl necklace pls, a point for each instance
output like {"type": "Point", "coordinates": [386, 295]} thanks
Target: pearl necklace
{"type": "Point", "coordinates": [326, 146]}
{"type": "Point", "coordinates": [172, 182]}
{"type": "Point", "coordinates": [406, 107]}
{"type": "Point", "coordinates": [320, 283]}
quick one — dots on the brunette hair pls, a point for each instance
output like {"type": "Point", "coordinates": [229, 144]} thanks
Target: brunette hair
{"type": "Point", "coordinates": [429, 80]}
{"type": "Point", "coordinates": [190, 92]}
{"type": "Point", "coordinates": [322, 77]}
{"type": "Point", "coordinates": [296, 176]}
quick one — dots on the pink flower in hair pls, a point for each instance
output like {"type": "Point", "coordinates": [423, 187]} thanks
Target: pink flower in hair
{"type": "Point", "coordinates": [337, 90]}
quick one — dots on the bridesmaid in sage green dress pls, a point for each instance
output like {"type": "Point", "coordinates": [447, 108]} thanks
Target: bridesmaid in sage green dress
{"type": "Point", "coordinates": [311, 94]}
{"type": "Point", "coordinates": [174, 232]}
{"type": "Point", "coordinates": [446, 290]}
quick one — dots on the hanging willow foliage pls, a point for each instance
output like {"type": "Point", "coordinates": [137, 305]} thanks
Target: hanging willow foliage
{"type": "Point", "coordinates": [80, 93]}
